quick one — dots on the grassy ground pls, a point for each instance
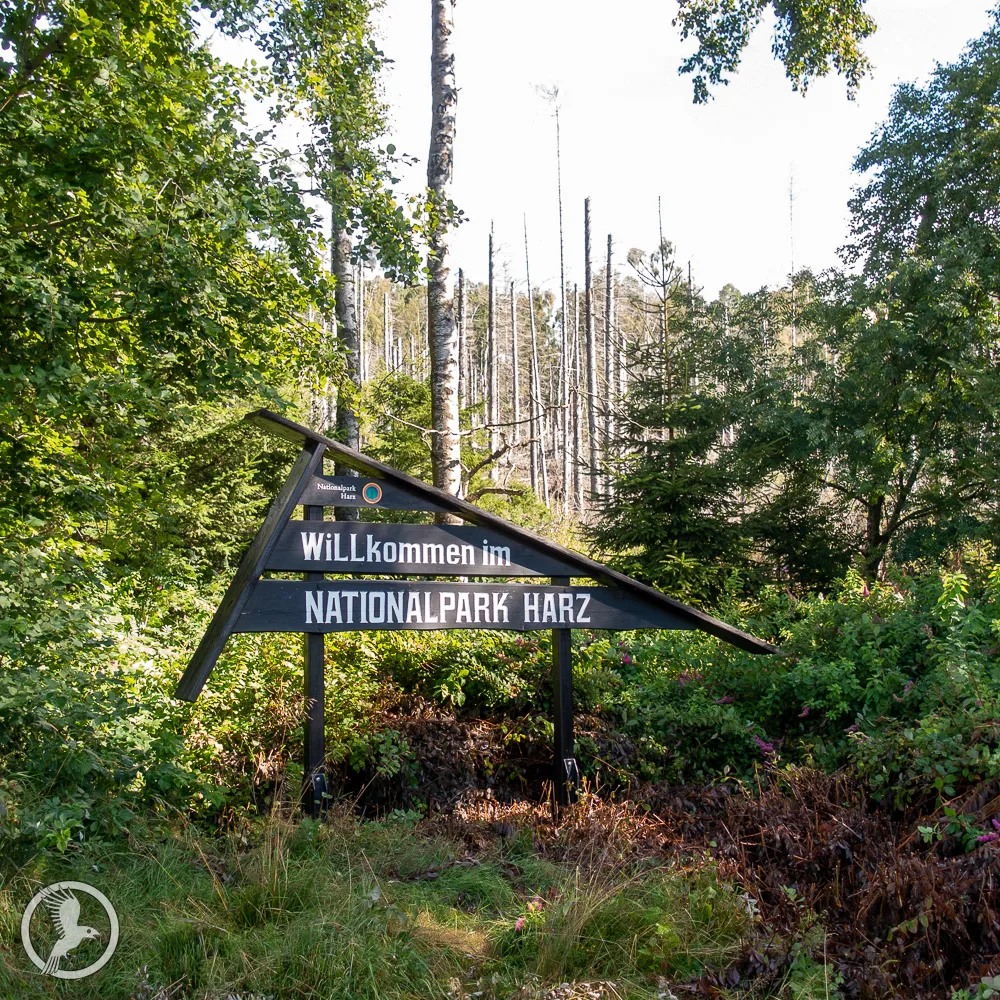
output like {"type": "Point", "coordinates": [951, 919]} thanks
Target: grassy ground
{"type": "Point", "coordinates": [379, 910]}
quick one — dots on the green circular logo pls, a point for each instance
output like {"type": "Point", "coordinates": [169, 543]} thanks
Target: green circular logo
{"type": "Point", "coordinates": [372, 493]}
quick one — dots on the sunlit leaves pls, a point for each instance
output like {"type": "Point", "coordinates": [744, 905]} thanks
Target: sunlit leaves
{"type": "Point", "coordinates": [811, 37]}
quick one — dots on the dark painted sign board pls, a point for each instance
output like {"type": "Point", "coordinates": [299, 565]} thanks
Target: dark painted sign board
{"type": "Point", "coordinates": [407, 549]}
{"type": "Point", "coordinates": [350, 605]}
{"type": "Point", "coordinates": [359, 491]}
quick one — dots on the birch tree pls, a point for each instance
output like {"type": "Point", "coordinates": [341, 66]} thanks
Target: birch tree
{"type": "Point", "coordinates": [446, 458]}
{"type": "Point", "coordinates": [551, 94]}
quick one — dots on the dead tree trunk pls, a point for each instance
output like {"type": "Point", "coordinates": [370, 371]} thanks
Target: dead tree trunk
{"type": "Point", "coordinates": [463, 373]}
{"type": "Point", "coordinates": [538, 462]}
{"type": "Point", "coordinates": [515, 365]}
{"type": "Point", "coordinates": [386, 333]}
{"type": "Point", "coordinates": [591, 354]}
{"type": "Point", "coordinates": [609, 388]}
{"type": "Point", "coordinates": [577, 414]}
{"type": "Point", "coordinates": [564, 344]}
{"type": "Point", "coordinates": [446, 458]}
{"type": "Point", "coordinates": [493, 382]}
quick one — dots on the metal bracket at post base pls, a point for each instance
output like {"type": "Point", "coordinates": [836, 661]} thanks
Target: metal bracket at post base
{"type": "Point", "coordinates": [571, 779]}
{"type": "Point", "coordinates": [314, 794]}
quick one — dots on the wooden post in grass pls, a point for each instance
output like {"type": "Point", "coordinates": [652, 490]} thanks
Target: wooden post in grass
{"type": "Point", "coordinates": [313, 775]}
{"type": "Point", "coordinates": [566, 773]}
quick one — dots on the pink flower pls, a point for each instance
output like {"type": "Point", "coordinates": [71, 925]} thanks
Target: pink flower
{"type": "Point", "coordinates": [519, 925]}
{"type": "Point", "coordinates": [996, 824]}
{"type": "Point", "coordinates": [987, 838]}
{"type": "Point", "coordinates": [767, 749]}
{"type": "Point", "coordinates": [728, 700]}
{"type": "Point", "coordinates": [626, 658]}
{"type": "Point", "coordinates": [804, 712]}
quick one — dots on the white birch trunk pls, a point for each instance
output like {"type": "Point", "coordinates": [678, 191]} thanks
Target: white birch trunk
{"type": "Point", "coordinates": [446, 458]}
{"type": "Point", "coordinates": [348, 424]}
{"type": "Point", "coordinates": [463, 367]}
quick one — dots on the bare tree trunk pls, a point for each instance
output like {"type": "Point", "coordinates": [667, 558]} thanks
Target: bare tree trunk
{"type": "Point", "coordinates": [446, 458]}
{"type": "Point", "coordinates": [591, 354]}
{"type": "Point", "coordinates": [668, 388]}
{"type": "Point", "coordinates": [515, 365]}
{"type": "Point", "coordinates": [609, 389]}
{"type": "Point", "coordinates": [564, 345]}
{"type": "Point", "coordinates": [532, 399]}
{"type": "Point", "coordinates": [386, 333]}
{"type": "Point", "coordinates": [493, 382]}
{"type": "Point", "coordinates": [463, 372]}
{"type": "Point", "coordinates": [577, 414]}
{"type": "Point", "coordinates": [348, 424]}
{"type": "Point", "coordinates": [361, 322]}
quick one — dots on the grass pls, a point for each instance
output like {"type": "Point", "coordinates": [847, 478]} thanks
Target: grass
{"type": "Point", "coordinates": [356, 910]}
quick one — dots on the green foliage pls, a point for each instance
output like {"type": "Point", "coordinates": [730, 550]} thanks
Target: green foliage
{"type": "Point", "coordinates": [900, 681]}
{"type": "Point", "coordinates": [810, 39]}
{"type": "Point", "coordinates": [154, 255]}
{"type": "Point", "coordinates": [930, 175]}
{"type": "Point", "coordinates": [324, 66]}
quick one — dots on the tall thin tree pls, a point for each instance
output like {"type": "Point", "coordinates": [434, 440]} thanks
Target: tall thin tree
{"type": "Point", "coordinates": [515, 364]}
{"type": "Point", "coordinates": [538, 462]}
{"type": "Point", "coordinates": [592, 443]}
{"type": "Point", "coordinates": [576, 406]}
{"type": "Point", "coordinates": [463, 370]}
{"type": "Point", "coordinates": [492, 366]}
{"type": "Point", "coordinates": [609, 389]}
{"type": "Point", "coordinates": [348, 422]}
{"type": "Point", "coordinates": [446, 456]}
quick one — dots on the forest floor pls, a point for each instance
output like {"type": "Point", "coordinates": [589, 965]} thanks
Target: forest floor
{"type": "Point", "coordinates": [802, 892]}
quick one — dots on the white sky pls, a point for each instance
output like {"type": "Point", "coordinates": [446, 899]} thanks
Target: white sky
{"type": "Point", "coordinates": [631, 133]}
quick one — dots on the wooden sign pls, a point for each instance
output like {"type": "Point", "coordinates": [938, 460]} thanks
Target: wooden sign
{"type": "Point", "coordinates": [359, 491]}
{"type": "Point", "coordinates": [352, 605]}
{"type": "Point", "coordinates": [486, 546]}
{"type": "Point", "coordinates": [407, 549]}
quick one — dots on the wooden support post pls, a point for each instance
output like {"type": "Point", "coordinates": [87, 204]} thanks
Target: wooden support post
{"type": "Point", "coordinates": [314, 777]}
{"type": "Point", "coordinates": [566, 773]}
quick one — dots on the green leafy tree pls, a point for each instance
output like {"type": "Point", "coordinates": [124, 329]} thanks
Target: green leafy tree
{"type": "Point", "coordinates": [931, 172]}
{"type": "Point", "coordinates": [154, 256]}
{"type": "Point", "coordinates": [899, 422]}
{"type": "Point", "coordinates": [810, 39]}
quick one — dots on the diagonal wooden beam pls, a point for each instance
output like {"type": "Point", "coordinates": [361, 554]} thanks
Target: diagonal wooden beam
{"type": "Point", "coordinates": [309, 462]}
